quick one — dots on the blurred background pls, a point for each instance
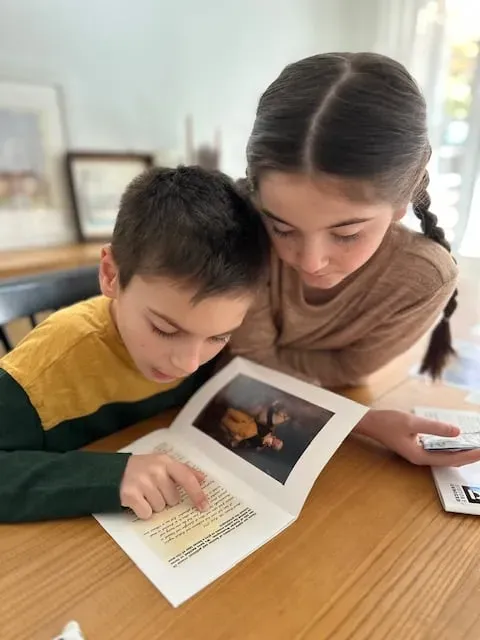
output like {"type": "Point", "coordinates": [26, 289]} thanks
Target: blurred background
{"type": "Point", "coordinates": [91, 92]}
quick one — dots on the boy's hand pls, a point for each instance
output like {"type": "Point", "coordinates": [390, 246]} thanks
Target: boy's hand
{"type": "Point", "coordinates": [400, 432]}
{"type": "Point", "coordinates": [150, 483]}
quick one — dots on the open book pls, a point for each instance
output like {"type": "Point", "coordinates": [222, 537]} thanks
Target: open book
{"type": "Point", "coordinates": [261, 438]}
{"type": "Point", "coordinates": [458, 488]}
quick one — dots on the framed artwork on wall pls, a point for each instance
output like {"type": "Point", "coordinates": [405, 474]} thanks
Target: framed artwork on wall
{"type": "Point", "coordinates": [96, 182]}
{"type": "Point", "coordinates": [33, 200]}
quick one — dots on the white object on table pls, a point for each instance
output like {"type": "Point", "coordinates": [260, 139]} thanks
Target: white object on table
{"type": "Point", "coordinates": [473, 398]}
{"type": "Point", "coordinates": [458, 488]}
{"type": "Point", "coordinates": [71, 631]}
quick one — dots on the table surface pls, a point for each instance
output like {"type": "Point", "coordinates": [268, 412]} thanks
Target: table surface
{"type": "Point", "coordinates": [31, 261]}
{"type": "Point", "coordinates": [372, 556]}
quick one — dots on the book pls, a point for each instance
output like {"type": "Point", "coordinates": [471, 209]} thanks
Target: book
{"type": "Point", "coordinates": [458, 488]}
{"type": "Point", "coordinates": [261, 438]}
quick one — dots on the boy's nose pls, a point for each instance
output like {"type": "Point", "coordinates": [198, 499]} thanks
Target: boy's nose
{"type": "Point", "coordinates": [187, 361]}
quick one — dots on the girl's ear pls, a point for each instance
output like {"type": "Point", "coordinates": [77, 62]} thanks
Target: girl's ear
{"type": "Point", "coordinates": [400, 213]}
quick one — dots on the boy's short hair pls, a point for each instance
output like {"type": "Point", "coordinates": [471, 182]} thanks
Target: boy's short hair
{"type": "Point", "coordinates": [192, 225]}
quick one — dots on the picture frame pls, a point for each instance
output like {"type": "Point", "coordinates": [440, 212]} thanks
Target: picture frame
{"type": "Point", "coordinates": [96, 181]}
{"type": "Point", "coordinates": [34, 207]}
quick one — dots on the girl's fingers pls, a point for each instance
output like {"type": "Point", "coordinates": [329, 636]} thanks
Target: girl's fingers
{"type": "Point", "coordinates": [433, 428]}
{"type": "Point", "coordinates": [453, 459]}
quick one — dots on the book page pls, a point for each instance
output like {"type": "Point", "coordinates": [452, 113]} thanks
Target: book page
{"type": "Point", "coordinates": [271, 430]}
{"type": "Point", "coordinates": [181, 550]}
{"type": "Point", "coordinates": [458, 489]}
{"type": "Point", "coordinates": [180, 532]}
{"type": "Point", "coordinates": [467, 421]}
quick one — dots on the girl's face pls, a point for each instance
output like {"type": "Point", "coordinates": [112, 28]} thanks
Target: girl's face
{"type": "Point", "coordinates": [317, 230]}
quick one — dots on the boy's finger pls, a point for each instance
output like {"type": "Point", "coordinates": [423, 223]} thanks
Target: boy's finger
{"type": "Point", "coordinates": [170, 492]}
{"type": "Point", "coordinates": [140, 507]}
{"type": "Point", "coordinates": [185, 477]}
{"type": "Point", "coordinates": [434, 428]}
{"type": "Point", "coordinates": [200, 476]}
{"type": "Point", "coordinates": [454, 459]}
{"type": "Point", "coordinates": [155, 499]}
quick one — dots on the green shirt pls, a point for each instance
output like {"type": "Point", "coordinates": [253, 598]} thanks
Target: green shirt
{"type": "Point", "coordinates": [70, 382]}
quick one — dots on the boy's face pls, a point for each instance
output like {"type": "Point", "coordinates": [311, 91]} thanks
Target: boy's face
{"type": "Point", "coordinates": [166, 334]}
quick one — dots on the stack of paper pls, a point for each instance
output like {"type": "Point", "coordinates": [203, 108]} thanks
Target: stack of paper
{"type": "Point", "coordinates": [458, 488]}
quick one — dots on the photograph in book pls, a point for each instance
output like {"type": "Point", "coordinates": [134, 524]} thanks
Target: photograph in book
{"type": "Point", "coordinates": [266, 426]}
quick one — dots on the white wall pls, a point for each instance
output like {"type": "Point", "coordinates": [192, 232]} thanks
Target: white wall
{"type": "Point", "coordinates": [130, 70]}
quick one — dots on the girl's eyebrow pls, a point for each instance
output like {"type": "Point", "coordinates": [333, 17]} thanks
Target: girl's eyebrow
{"type": "Point", "coordinates": [337, 225]}
{"type": "Point", "coordinates": [272, 216]}
{"type": "Point", "coordinates": [347, 223]}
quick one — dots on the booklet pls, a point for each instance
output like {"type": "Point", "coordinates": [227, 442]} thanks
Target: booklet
{"type": "Point", "coordinates": [261, 438]}
{"type": "Point", "coordinates": [458, 488]}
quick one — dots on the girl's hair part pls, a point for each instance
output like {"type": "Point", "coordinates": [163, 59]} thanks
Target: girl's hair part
{"type": "Point", "coordinates": [360, 117]}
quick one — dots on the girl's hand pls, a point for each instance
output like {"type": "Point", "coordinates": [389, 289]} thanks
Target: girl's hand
{"type": "Point", "coordinates": [400, 432]}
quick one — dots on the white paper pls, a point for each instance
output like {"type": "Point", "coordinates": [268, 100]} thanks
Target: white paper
{"type": "Point", "coordinates": [458, 488]}
{"type": "Point", "coordinates": [182, 567]}
{"type": "Point", "coordinates": [255, 489]}
{"type": "Point", "coordinates": [467, 421]}
{"type": "Point", "coordinates": [473, 398]}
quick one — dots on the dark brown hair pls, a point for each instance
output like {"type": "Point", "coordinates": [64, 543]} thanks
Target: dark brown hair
{"type": "Point", "coordinates": [191, 225]}
{"type": "Point", "coordinates": [361, 117]}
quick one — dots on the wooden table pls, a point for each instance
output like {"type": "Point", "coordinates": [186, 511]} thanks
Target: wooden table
{"type": "Point", "coordinates": [372, 556]}
{"type": "Point", "coordinates": [25, 262]}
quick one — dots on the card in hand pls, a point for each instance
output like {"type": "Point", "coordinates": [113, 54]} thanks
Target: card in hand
{"type": "Point", "coordinates": [463, 442]}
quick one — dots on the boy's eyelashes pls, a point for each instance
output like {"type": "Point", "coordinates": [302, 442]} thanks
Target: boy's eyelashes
{"type": "Point", "coordinates": [161, 332]}
{"type": "Point", "coordinates": [175, 334]}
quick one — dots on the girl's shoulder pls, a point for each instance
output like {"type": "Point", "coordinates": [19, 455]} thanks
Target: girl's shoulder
{"type": "Point", "coordinates": [420, 257]}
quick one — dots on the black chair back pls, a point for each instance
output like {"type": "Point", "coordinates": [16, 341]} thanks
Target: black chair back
{"type": "Point", "coordinates": [27, 296]}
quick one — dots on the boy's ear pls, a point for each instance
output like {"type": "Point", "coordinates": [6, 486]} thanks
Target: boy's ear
{"type": "Point", "coordinates": [108, 273]}
{"type": "Point", "coordinates": [400, 213]}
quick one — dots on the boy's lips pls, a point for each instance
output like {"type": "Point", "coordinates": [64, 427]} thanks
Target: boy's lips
{"type": "Point", "coordinates": [162, 377]}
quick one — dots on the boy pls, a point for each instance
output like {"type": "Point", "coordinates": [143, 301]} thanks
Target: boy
{"type": "Point", "coordinates": [187, 256]}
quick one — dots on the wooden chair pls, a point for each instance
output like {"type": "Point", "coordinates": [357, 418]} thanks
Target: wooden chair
{"type": "Point", "coordinates": [27, 296]}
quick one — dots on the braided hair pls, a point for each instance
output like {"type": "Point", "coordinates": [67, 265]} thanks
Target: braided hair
{"type": "Point", "coordinates": [360, 117]}
{"type": "Point", "coordinates": [440, 346]}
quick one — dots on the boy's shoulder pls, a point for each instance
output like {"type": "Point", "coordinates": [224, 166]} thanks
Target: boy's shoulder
{"type": "Point", "coordinates": [60, 338]}
{"type": "Point", "coordinates": [421, 259]}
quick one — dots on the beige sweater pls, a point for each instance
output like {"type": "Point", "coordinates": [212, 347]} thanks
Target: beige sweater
{"type": "Point", "coordinates": [375, 315]}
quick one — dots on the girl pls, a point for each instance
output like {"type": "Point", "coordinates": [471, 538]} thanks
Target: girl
{"type": "Point", "coordinates": [338, 150]}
